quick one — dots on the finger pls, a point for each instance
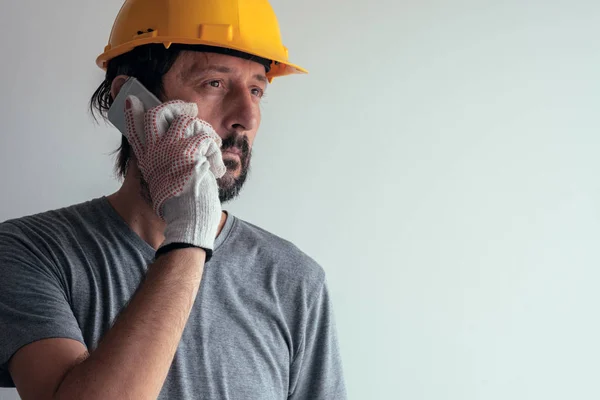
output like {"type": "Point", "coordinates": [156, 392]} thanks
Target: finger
{"type": "Point", "coordinates": [160, 118]}
{"type": "Point", "coordinates": [183, 107]}
{"type": "Point", "coordinates": [179, 106]}
{"type": "Point", "coordinates": [202, 127]}
{"type": "Point", "coordinates": [134, 119]}
{"type": "Point", "coordinates": [215, 158]}
{"type": "Point", "coordinates": [203, 146]}
{"type": "Point", "coordinates": [207, 128]}
{"type": "Point", "coordinates": [217, 167]}
{"type": "Point", "coordinates": [181, 128]}
{"type": "Point", "coordinates": [210, 146]}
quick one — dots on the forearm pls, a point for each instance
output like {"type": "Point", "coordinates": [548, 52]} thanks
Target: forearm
{"type": "Point", "coordinates": [134, 356]}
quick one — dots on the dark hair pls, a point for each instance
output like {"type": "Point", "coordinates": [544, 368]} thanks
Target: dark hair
{"type": "Point", "coordinates": [148, 63]}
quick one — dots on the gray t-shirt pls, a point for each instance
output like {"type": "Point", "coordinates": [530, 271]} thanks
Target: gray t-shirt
{"type": "Point", "coordinates": [261, 327]}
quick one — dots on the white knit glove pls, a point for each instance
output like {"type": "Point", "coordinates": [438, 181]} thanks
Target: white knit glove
{"type": "Point", "coordinates": [179, 156]}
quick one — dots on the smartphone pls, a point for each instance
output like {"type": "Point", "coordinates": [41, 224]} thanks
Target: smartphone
{"type": "Point", "coordinates": [116, 112]}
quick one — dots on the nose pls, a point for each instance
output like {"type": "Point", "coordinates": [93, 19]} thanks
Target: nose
{"type": "Point", "coordinates": [242, 111]}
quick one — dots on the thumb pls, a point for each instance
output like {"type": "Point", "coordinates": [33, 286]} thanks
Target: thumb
{"type": "Point", "coordinates": [215, 159]}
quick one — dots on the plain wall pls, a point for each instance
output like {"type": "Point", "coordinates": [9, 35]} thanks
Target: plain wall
{"type": "Point", "coordinates": [439, 161]}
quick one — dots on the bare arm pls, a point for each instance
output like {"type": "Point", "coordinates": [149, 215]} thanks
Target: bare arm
{"type": "Point", "coordinates": [134, 356]}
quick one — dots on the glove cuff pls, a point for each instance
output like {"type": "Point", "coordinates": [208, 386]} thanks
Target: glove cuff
{"type": "Point", "coordinates": [175, 246]}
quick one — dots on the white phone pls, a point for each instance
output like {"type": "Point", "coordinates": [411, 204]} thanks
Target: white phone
{"type": "Point", "coordinates": [116, 112]}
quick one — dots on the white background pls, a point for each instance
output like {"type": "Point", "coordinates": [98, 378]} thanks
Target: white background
{"type": "Point", "coordinates": [440, 162]}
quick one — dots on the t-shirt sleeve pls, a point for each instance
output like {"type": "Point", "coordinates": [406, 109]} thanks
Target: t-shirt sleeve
{"type": "Point", "coordinates": [33, 299]}
{"type": "Point", "coordinates": [316, 371]}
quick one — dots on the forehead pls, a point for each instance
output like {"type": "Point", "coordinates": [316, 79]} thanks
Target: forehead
{"type": "Point", "coordinates": [191, 64]}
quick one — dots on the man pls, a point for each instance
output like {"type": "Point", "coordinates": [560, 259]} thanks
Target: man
{"type": "Point", "coordinates": [154, 291]}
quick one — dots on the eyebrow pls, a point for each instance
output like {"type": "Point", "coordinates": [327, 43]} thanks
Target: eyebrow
{"type": "Point", "coordinates": [195, 71]}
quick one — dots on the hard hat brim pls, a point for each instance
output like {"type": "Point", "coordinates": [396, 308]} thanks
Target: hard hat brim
{"type": "Point", "coordinates": [278, 67]}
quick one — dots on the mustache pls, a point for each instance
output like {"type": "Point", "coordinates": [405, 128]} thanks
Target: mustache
{"type": "Point", "coordinates": [236, 140]}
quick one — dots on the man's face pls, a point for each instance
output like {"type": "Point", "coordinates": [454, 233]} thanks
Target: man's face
{"type": "Point", "coordinates": [228, 92]}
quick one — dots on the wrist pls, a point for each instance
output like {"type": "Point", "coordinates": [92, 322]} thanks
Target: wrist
{"type": "Point", "coordinates": [179, 246]}
{"type": "Point", "coordinates": [183, 249]}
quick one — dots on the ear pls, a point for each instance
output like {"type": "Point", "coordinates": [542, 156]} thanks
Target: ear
{"type": "Point", "coordinates": [117, 84]}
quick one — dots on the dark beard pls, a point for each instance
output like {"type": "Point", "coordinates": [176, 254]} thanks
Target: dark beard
{"type": "Point", "coordinates": [229, 187]}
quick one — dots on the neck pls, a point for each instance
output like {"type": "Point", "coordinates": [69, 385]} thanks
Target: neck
{"type": "Point", "coordinates": [138, 214]}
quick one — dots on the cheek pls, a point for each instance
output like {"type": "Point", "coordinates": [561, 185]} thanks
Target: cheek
{"type": "Point", "coordinates": [251, 137]}
{"type": "Point", "coordinates": [208, 111]}
{"type": "Point", "coordinates": [206, 108]}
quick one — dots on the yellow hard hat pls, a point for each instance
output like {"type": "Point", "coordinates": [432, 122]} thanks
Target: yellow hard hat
{"type": "Point", "coordinates": [248, 26]}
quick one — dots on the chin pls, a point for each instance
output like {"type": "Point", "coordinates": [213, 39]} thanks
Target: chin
{"type": "Point", "coordinates": [228, 180]}
{"type": "Point", "coordinates": [232, 182]}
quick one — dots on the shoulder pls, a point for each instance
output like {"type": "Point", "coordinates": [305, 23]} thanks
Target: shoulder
{"type": "Point", "coordinates": [56, 217]}
{"type": "Point", "coordinates": [278, 254]}
{"type": "Point", "coordinates": [45, 229]}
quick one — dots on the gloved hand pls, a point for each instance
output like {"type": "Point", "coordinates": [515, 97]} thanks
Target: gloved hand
{"type": "Point", "coordinates": [179, 156]}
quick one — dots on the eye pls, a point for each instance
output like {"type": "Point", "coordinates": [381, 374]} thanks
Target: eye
{"type": "Point", "coordinates": [258, 92]}
{"type": "Point", "coordinates": [215, 83]}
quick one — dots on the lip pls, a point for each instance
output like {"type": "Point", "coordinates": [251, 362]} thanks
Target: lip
{"type": "Point", "coordinates": [235, 152]}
